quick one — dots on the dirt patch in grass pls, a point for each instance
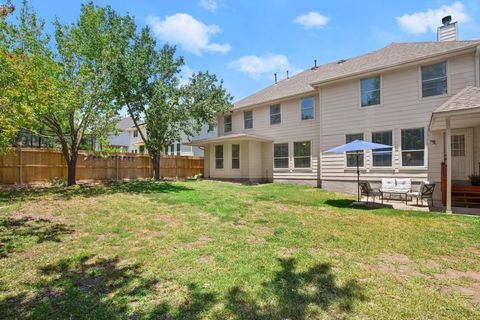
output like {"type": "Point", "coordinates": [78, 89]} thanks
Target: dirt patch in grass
{"type": "Point", "coordinates": [403, 267]}
{"type": "Point", "coordinates": [455, 274]}
{"type": "Point", "coordinates": [200, 242]}
{"type": "Point", "coordinates": [397, 264]}
{"type": "Point", "coordinates": [205, 259]}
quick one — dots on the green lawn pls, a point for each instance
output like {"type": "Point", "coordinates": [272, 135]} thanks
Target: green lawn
{"type": "Point", "coordinates": [213, 250]}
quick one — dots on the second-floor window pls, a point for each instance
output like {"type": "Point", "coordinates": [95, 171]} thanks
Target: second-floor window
{"type": "Point", "coordinates": [370, 91]}
{"type": "Point", "coordinates": [434, 79]}
{"type": "Point", "coordinates": [275, 114]}
{"type": "Point", "coordinates": [135, 133]}
{"type": "Point", "coordinates": [382, 157]}
{"type": "Point", "coordinates": [248, 119]}
{"type": "Point", "coordinates": [307, 108]}
{"type": "Point", "coordinates": [227, 123]}
{"type": "Point", "coordinates": [352, 155]}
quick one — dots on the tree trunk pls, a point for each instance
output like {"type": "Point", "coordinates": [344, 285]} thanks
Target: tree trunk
{"type": "Point", "coordinates": [156, 166]}
{"type": "Point", "coordinates": [72, 171]}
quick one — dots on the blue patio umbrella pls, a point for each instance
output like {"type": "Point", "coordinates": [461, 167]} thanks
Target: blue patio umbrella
{"type": "Point", "coordinates": [357, 145]}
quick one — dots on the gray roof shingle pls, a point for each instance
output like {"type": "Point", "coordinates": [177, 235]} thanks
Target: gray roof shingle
{"type": "Point", "coordinates": [391, 55]}
{"type": "Point", "coordinates": [468, 98]}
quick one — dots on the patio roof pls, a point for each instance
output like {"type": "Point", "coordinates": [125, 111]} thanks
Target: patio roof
{"type": "Point", "coordinates": [463, 110]}
{"type": "Point", "coordinates": [229, 137]}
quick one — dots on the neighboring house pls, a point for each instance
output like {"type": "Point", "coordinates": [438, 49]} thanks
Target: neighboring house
{"type": "Point", "coordinates": [413, 96]}
{"type": "Point", "coordinates": [136, 144]}
{"type": "Point", "coordinates": [121, 139]}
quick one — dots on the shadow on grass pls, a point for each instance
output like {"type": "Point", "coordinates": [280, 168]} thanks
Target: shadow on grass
{"type": "Point", "coordinates": [15, 232]}
{"type": "Point", "coordinates": [82, 287]}
{"type": "Point", "coordinates": [139, 187]}
{"type": "Point", "coordinates": [289, 295]}
{"type": "Point", "coordinates": [88, 287]}
{"type": "Point", "coordinates": [297, 295]}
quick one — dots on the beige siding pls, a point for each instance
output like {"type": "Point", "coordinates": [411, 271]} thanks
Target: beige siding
{"type": "Point", "coordinates": [402, 108]}
{"type": "Point", "coordinates": [292, 129]}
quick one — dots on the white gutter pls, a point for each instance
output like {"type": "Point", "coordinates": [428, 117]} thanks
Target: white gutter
{"type": "Point", "coordinates": [477, 67]}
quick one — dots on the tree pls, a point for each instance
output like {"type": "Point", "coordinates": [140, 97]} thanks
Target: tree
{"type": "Point", "coordinates": [66, 93]}
{"type": "Point", "coordinates": [146, 81]}
{"type": "Point", "coordinates": [21, 58]}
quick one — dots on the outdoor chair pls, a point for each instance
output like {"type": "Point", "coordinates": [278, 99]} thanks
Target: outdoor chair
{"type": "Point", "coordinates": [425, 192]}
{"type": "Point", "coordinates": [367, 191]}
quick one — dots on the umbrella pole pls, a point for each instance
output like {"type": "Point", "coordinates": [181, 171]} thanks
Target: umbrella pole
{"type": "Point", "coordinates": [358, 180]}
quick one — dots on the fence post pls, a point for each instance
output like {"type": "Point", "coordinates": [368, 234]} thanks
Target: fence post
{"type": "Point", "coordinates": [20, 165]}
{"type": "Point", "coordinates": [116, 164]}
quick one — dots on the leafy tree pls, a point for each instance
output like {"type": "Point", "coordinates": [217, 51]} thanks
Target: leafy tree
{"type": "Point", "coordinates": [146, 81]}
{"type": "Point", "coordinates": [66, 93]}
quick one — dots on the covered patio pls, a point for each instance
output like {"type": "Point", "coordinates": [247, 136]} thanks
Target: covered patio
{"type": "Point", "coordinates": [456, 125]}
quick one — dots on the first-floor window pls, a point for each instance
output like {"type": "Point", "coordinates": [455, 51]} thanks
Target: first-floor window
{"type": "Point", "coordinates": [280, 155]}
{"type": "Point", "coordinates": [301, 154]}
{"type": "Point", "coordinates": [219, 156]}
{"type": "Point", "coordinates": [172, 149]}
{"type": "Point", "coordinates": [352, 155]}
{"type": "Point", "coordinates": [413, 147]}
{"type": "Point", "coordinates": [382, 157]}
{"type": "Point", "coordinates": [178, 148]}
{"type": "Point", "coordinates": [235, 156]}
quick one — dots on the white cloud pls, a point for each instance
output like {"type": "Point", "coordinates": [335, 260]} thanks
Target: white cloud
{"type": "Point", "coordinates": [191, 34]}
{"type": "Point", "coordinates": [185, 75]}
{"type": "Point", "coordinates": [256, 66]}
{"type": "Point", "coordinates": [210, 5]}
{"type": "Point", "coordinates": [421, 22]}
{"type": "Point", "coordinates": [312, 20]}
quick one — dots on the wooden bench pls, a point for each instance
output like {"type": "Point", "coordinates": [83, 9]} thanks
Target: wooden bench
{"type": "Point", "coordinates": [466, 196]}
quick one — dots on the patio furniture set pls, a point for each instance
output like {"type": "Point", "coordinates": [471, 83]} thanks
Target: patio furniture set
{"type": "Point", "coordinates": [401, 188]}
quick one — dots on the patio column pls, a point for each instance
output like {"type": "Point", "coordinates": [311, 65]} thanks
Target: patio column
{"type": "Point", "coordinates": [448, 144]}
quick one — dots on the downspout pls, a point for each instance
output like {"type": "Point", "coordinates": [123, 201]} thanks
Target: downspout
{"type": "Point", "coordinates": [477, 67]}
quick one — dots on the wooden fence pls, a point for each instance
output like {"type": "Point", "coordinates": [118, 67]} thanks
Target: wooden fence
{"type": "Point", "coordinates": [27, 165]}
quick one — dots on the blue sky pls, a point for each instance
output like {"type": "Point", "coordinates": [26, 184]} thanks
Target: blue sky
{"type": "Point", "coordinates": [245, 42]}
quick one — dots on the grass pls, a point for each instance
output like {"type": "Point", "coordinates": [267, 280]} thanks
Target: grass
{"type": "Point", "coordinates": [213, 250]}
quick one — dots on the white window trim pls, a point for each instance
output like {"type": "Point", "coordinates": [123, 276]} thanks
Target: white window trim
{"type": "Point", "coordinates": [420, 83]}
{"type": "Point", "coordinates": [215, 156]}
{"type": "Point", "coordinates": [314, 108]}
{"type": "Point", "coordinates": [231, 123]}
{"type": "Point", "coordinates": [253, 123]}
{"type": "Point", "coordinates": [345, 154]}
{"type": "Point", "coordinates": [288, 156]}
{"type": "Point", "coordinates": [269, 115]}
{"type": "Point", "coordinates": [293, 156]}
{"type": "Point", "coordinates": [425, 150]}
{"type": "Point", "coordinates": [359, 84]}
{"type": "Point", "coordinates": [231, 156]}
{"type": "Point", "coordinates": [372, 167]}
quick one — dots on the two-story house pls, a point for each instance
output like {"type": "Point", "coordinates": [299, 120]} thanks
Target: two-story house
{"type": "Point", "coordinates": [421, 97]}
{"type": "Point", "coordinates": [136, 144]}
